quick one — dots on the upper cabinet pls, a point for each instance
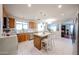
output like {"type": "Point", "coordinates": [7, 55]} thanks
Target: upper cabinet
{"type": "Point", "coordinates": [32, 24]}
{"type": "Point", "coordinates": [11, 22]}
{"type": "Point", "coordinates": [8, 22]}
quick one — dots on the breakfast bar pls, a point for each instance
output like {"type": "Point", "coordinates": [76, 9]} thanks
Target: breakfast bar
{"type": "Point", "coordinates": [38, 37]}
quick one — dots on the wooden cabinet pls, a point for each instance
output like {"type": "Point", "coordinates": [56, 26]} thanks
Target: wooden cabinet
{"type": "Point", "coordinates": [37, 42]}
{"type": "Point", "coordinates": [23, 37]}
{"type": "Point", "coordinates": [11, 22]}
{"type": "Point", "coordinates": [8, 22]}
{"type": "Point", "coordinates": [38, 39]}
{"type": "Point", "coordinates": [32, 25]}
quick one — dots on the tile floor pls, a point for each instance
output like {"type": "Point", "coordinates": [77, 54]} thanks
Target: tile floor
{"type": "Point", "coordinates": [62, 47]}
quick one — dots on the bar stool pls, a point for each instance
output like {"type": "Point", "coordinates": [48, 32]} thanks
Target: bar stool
{"type": "Point", "coordinates": [47, 44]}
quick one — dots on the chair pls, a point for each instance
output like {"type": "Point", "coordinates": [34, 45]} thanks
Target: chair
{"type": "Point", "coordinates": [48, 43]}
{"type": "Point", "coordinates": [44, 44]}
{"type": "Point", "coordinates": [51, 42]}
{"type": "Point", "coordinates": [56, 35]}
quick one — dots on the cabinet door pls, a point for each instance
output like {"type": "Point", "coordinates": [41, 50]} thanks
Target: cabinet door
{"type": "Point", "coordinates": [11, 22]}
{"type": "Point", "coordinates": [23, 37]}
{"type": "Point", "coordinates": [27, 36]}
{"type": "Point", "coordinates": [19, 37]}
{"type": "Point", "coordinates": [32, 25]}
{"type": "Point", "coordinates": [37, 42]}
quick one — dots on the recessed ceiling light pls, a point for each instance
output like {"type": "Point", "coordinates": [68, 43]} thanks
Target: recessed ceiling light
{"type": "Point", "coordinates": [59, 6]}
{"type": "Point", "coordinates": [29, 5]}
{"type": "Point", "coordinates": [62, 14]}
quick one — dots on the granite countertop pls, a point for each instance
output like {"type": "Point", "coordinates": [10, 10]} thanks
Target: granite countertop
{"type": "Point", "coordinates": [7, 36]}
{"type": "Point", "coordinates": [28, 31]}
{"type": "Point", "coordinates": [42, 34]}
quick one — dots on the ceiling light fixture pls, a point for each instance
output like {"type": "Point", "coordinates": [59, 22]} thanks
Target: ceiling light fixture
{"type": "Point", "coordinates": [29, 5]}
{"type": "Point", "coordinates": [59, 6]}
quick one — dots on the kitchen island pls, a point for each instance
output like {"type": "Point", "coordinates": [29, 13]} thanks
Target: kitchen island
{"type": "Point", "coordinates": [38, 37]}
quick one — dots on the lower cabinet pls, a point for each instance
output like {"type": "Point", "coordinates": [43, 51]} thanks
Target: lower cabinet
{"type": "Point", "coordinates": [37, 42]}
{"type": "Point", "coordinates": [23, 37]}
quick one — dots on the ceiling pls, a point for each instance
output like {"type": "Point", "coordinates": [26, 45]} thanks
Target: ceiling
{"type": "Point", "coordinates": [43, 11]}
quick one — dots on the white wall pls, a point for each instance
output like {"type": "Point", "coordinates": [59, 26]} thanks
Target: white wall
{"type": "Point", "coordinates": [0, 19]}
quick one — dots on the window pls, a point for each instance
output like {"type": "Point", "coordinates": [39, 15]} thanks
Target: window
{"type": "Point", "coordinates": [25, 26]}
{"type": "Point", "coordinates": [52, 27]}
{"type": "Point", "coordinates": [21, 26]}
{"type": "Point", "coordinates": [41, 26]}
{"type": "Point", "coordinates": [18, 25]}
